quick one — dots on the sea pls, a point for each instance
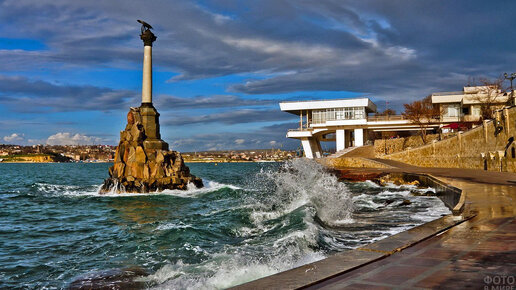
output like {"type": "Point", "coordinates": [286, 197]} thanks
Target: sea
{"type": "Point", "coordinates": [249, 221]}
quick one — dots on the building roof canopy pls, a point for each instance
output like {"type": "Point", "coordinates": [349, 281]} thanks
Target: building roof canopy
{"type": "Point", "coordinates": [296, 107]}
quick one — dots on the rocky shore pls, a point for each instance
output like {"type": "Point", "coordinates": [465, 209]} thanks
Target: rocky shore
{"type": "Point", "coordinates": [144, 164]}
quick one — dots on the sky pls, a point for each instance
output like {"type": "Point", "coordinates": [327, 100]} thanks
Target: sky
{"type": "Point", "coordinates": [70, 70]}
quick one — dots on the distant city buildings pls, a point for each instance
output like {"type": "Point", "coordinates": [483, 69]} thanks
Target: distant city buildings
{"type": "Point", "coordinates": [105, 153]}
{"type": "Point", "coordinates": [239, 156]}
{"type": "Point", "coordinates": [58, 153]}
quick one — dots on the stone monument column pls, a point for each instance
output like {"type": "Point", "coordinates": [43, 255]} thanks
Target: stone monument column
{"type": "Point", "coordinates": [150, 116]}
{"type": "Point", "coordinates": [148, 38]}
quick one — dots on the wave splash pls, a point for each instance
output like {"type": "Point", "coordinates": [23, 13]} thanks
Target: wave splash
{"type": "Point", "coordinates": [282, 233]}
{"type": "Point", "coordinates": [303, 182]}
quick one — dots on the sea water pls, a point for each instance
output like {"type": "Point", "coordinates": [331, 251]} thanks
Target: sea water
{"type": "Point", "coordinates": [251, 220]}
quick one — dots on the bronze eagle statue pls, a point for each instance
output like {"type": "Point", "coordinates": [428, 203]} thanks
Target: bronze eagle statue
{"type": "Point", "coordinates": [145, 25]}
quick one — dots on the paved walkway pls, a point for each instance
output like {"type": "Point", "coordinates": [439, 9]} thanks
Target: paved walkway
{"type": "Point", "coordinates": [477, 253]}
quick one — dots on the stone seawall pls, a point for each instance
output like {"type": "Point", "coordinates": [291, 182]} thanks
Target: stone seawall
{"type": "Point", "coordinates": [451, 196]}
{"type": "Point", "coordinates": [487, 147]}
{"type": "Point", "coordinates": [390, 146]}
{"type": "Point", "coordinates": [343, 162]}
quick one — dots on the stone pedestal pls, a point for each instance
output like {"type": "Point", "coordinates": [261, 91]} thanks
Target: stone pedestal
{"type": "Point", "coordinates": [143, 162]}
{"type": "Point", "coordinates": [150, 122]}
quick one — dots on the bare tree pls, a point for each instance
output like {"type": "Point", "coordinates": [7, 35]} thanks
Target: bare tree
{"type": "Point", "coordinates": [490, 96]}
{"type": "Point", "coordinates": [386, 112]}
{"type": "Point", "coordinates": [421, 113]}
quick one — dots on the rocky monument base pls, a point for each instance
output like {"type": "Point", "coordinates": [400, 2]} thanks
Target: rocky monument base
{"type": "Point", "coordinates": [143, 162]}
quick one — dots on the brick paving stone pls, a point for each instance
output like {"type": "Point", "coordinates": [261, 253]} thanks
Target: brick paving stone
{"type": "Point", "coordinates": [449, 279]}
{"type": "Point", "coordinates": [364, 286]}
{"type": "Point", "coordinates": [396, 275]}
{"type": "Point", "coordinates": [420, 261]}
{"type": "Point", "coordinates": [440, 254]}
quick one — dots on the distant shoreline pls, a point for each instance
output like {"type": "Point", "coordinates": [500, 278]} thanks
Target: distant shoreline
{"type": "Point", "coordinates": [236, 161]}
{"type": "Point", "coordinates": [193, 161]}
{"type": "Point", "coordinates": [35, 162]}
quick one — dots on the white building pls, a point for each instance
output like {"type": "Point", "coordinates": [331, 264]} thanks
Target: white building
{"type": "Point", "coordinates": [466, 105]}
{"type": "Point", "coordinates": [344, 121]}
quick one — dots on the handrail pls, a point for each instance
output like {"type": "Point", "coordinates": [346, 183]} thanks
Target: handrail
{"type": "Point", "coordinates": [300, 130]}
{"type": "Point", "coordinates": [386, 118]}
{"type": "Point", "coordinates": [448, 93]}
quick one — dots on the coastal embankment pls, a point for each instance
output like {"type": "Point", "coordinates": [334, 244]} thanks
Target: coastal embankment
{"type": "Point", "coordinates": [489, 147]}
{"type": "Point", "coordinates": [473, 247]}
{"type": "Point", "coordinates": [29, 158]}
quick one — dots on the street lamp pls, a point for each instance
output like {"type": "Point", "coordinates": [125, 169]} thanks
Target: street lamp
{"type": "Point", "coordinates": [511, 77]}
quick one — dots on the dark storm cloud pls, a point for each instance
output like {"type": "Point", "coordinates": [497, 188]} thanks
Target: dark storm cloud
{"type": "Point", "coordinates": [232, 117]}
{"type": "Point", "coordinates": [392, 49]}
{"type": "Point", "coordinates": [265, 137]}
{"type": "Point", "coordinates": [25, 95]}
{"type": "Point", "coordinates": [215, 101]}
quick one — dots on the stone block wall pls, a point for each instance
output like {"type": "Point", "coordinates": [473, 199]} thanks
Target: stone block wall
{"type": "Point", "coordinates": [390, 146]}
{"type": "Point", "coordinates": [487, 147]}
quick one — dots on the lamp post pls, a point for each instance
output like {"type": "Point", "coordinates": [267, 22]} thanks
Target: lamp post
{"type": "Point", "coordinates": [510, 78]}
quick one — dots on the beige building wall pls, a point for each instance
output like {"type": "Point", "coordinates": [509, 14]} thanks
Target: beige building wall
{"type": "Point", "coordinates": [479, 148]}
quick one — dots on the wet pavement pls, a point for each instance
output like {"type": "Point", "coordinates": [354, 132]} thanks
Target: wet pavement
{"type": "Point", "coordinates": [478, 253]}
{"type": "Point", "coordinates": [476, 249]}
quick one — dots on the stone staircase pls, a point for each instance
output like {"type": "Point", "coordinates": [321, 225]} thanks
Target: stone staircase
{"type": "Point", "coordinates": [341, 152]}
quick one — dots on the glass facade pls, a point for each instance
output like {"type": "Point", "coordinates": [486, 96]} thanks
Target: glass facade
{"type": "Point", "coordinates": [335, 114]}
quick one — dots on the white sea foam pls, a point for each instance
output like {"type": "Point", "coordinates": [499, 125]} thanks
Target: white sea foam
{"type": "Point", "coordinates": [94, 190]}
{"type": "Point", "coordinates": [303, 182]}
{"type": "Point", "coordinates": [173, 225]}
{"type": "Point", "coordinates": [66, 190]}
{"type": "Point", "coordinates": [237, 265]}
{"type": "Point", "coordinates": [389, 194]}
{"type": "Point", "coordinates": [191, 191]}
{"type": "Point", "coordinates": [370, 183]}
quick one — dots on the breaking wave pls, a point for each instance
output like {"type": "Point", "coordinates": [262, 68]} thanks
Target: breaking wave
{"type": "Point", "coordinates": [302, 182]}
{"type": "Point", "coordinates": [250, 220]}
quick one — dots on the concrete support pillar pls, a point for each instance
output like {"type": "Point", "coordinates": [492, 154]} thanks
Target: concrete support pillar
{"type": "Point", "coordinates": [349, 138]}
{"type": "Point", "coordinates": [316, 147]}
{"type": "Point", "coordinates": [147, 75]}
{"type": "Point", "coordinates": [307, 147]}
{"type": "Point", "coordinates": [359, 137]}
{"type": "Point", "coordinates": [340, 136]}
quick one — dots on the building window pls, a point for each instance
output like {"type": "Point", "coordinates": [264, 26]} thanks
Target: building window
{"type": "Point", "coordinates": [451, 110]}
{"type": "Point", "coordinates": [475, 111]}
{"type": "Point", "coordinates": [465, 110]}
{"type": "Point", "coordinates": [359, 113]}
{"type": "Point", "coordinates": [352, 113]}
